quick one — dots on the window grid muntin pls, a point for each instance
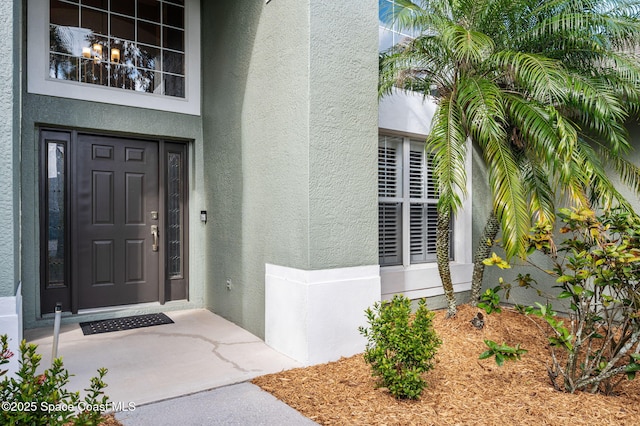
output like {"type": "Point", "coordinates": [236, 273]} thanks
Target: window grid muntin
{"type": "Point", "coordinates": [388, 27]}
{"type": "Point", "coordinates": [166, 78]}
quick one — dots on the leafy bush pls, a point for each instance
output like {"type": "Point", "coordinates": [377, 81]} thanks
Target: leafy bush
{"type": "Point", "coordinates": [41, 399]}
{"type": "Point", "coordinates": [502, 352]}
{"type": "Point", "coordinates": [400, 347]}
{"type": "Point", "coordinates": [490, 300]}
{"type": "Point", "coordinates": [597, 269]}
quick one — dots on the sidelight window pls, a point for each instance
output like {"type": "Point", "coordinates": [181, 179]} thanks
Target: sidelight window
{"type": "Point", "coordinates": [56, 222]}
{"type": "Point", "coordinates": [176, 204]}
{"type": "Point", "coordinates": [175, 201]}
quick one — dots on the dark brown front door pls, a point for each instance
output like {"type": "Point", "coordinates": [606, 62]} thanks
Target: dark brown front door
{"type": "Point", "coordinates": [116, 208]}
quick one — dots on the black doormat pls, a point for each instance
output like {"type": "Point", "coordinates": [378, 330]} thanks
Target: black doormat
{"type": "Point", "coordinates": [126, 323]}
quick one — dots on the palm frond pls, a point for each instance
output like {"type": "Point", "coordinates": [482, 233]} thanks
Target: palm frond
{"type": "Point", "coordinates": [481, 101]}
{"type": "Point", "coordinates": [603, 192]}
{"type": "Point", "coordinates": [447, 141]}
{"type": "Point", "coordinates": [535, 76]}
{"type": "Point", "coordinates": [628, 172]}
{"type": "Point", "coordinates": [534, 124]}
{"type": "Point", "coordinates": [509, 201]}
{"type": "Point", "coordinates": [535, 182]}
{"type": "Point", "coordinates": [466, 45]}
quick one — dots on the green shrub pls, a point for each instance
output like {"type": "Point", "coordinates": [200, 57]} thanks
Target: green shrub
{"type": "Point", "coordinates": [400, 347]}
{"type": "Point", "coordinates": [597, 270]}
{"type": "Point", "coordinates": [41, 399]}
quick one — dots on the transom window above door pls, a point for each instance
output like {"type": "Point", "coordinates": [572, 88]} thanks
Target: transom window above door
{"type": "Point", "coordinates": [147, 50]}
{"type": "Point", "coordinates": [126, 44]}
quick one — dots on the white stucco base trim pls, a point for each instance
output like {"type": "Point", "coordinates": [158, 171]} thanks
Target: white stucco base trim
{"type": "Point", "coordinates": [11, 325]}
{"type": "Point", "coordinates": [313, 316]}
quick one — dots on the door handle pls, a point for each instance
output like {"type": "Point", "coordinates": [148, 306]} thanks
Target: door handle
{"type": "Point", "coordinates": [154, 233]}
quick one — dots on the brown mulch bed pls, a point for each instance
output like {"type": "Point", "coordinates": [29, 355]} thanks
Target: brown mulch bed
{"type": "Point", "coordinates": [462, 390]}
{"type": "Point", "coordinates": [110, 420]}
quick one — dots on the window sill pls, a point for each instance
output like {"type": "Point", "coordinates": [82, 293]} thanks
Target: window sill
{"type": "Point", "coordinates": [422, 280]}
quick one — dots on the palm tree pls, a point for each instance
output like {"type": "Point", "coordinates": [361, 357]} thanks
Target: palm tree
{"type": "Point", "coordinates": [543, 88]}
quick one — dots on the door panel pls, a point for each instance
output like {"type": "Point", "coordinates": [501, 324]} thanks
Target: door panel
{"type": "Point", "coordinates": [135, 258]}
{"type": "Point", "coordinates": [102, 193]}
{"type": "Point", "coordinates": [102, 262]}
{"type": "Point", "coordinates": [116, 189]}
{"type": "Point", "coordinates": [134, 190]}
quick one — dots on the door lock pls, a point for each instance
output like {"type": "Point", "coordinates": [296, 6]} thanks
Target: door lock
{"type": "Point", "coordinates": [154, 233]}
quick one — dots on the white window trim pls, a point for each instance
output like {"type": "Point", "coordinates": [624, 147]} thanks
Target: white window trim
{"type": "Point", "coordinates": [39, 82]}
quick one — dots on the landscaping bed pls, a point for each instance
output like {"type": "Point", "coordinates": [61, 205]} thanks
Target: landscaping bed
{"type": "Point", "coordinates": [461, 388]}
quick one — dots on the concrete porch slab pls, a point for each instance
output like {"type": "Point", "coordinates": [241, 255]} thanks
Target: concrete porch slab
{"type": "Point", "coordinates": [199, 351]}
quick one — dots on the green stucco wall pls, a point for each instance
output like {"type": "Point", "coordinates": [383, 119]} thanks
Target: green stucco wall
{"type": "Point", "coordinates": [46, 111]}
{"type": "Point", "coordinates": [343, 134]}
{"type": "Point", "coordinates": [290, 125]}
{"type": "Point", "coordinates": [9, 153]}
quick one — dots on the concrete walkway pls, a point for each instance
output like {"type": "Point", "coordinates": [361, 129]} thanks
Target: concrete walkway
{"type": "Point", "coordinates": [241, 404]}
{"type": "Point", "coordinates": [199, 352]}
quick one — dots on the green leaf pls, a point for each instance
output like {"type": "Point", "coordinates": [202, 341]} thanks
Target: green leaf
{"type": "Point", "coordinates": [564, 295]}
{"type": "Point", "coordinates": [633, 367]}
{"type": "Point", "coordinates": [485, 354]}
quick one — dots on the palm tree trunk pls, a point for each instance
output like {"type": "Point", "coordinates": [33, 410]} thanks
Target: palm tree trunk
{"type": "Point", "coordinates": [442, 256]}
{"type": "Point", "coordinates": [483, 251]}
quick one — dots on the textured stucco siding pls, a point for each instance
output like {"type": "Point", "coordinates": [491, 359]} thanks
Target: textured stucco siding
{"type": "Point", "coordinates": [255, 121]}
{"type": "Point", "coordinates": [290, 125]}
{"type": "Point", "coordinates": [9, 161]}
{"type": "Point", "coordinates": [343, 223]}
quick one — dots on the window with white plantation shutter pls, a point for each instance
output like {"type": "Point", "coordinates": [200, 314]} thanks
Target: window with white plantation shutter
{"type": "Point", "coordinates": [390, 195]}
{"type": "Point", "coordinates": [422, 210]}
{"type": "Point", "coordinates": [407, 202]}
{"type": "Point", "coordinates": [390, 230]}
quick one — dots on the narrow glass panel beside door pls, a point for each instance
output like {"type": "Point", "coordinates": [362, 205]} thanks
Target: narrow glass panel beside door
{"type": "Point", "coordinates": [56, 181]}
{"type": "Point", "coordinates": [174, 225]}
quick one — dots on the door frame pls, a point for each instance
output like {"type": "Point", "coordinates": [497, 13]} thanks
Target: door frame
{"type": "Point", "coordinates": [169, 287]}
